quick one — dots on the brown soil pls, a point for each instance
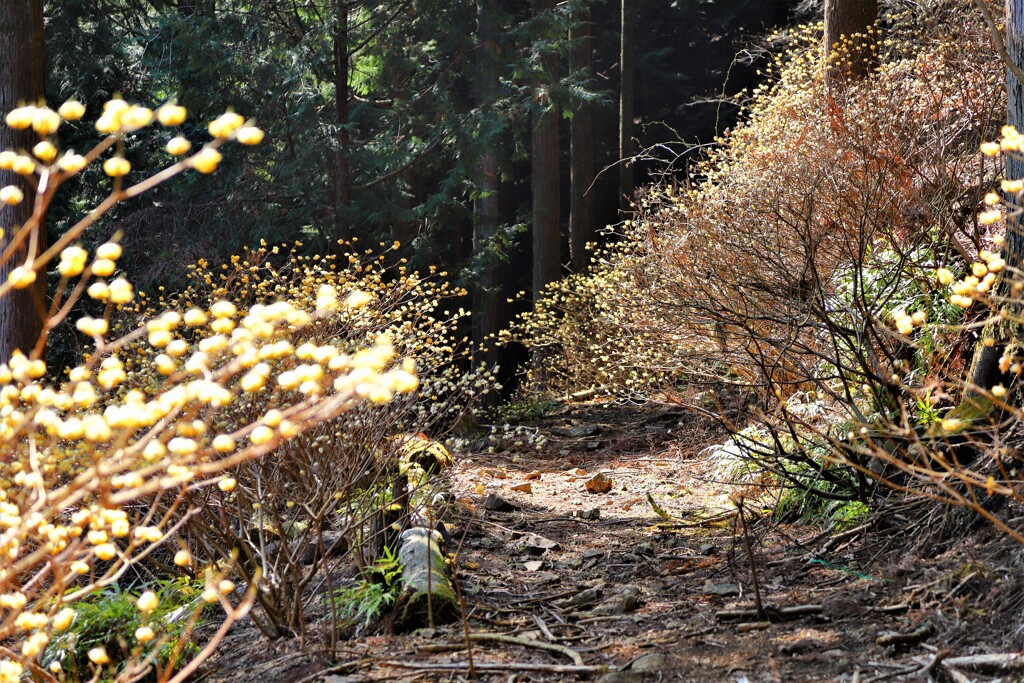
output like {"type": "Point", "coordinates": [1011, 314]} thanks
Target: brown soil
{"type": "Point", "coordinates": [892, 597]}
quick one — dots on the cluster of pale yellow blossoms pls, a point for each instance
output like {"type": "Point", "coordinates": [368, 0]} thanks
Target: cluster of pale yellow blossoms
{"type": "Point", "coordinates": [983, 273]}
{"type": "Point", "coordinates": [74, 453]}
{"type": "Point", "coordinates": [118, 118]}
{"type": "Point", "coordinates": [148, 438]}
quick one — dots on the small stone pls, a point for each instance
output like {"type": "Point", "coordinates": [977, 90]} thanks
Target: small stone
{"type": "Point", "coordinates": [644, 549]}
{"type": "Point", "coordinates": [622, 677]}
{"type": "Point", "coordinates": [591, 514]}
{"type": "Point", "coordinates": [523, 488]}
{"type": "Point", "coordinates": [626, 600]}
{"type": "Point", "coordinates": [498, 504]}
{"type": "Point", "coordinates": [532, 476]}
{"type": "Point", "coordinates": [652, 662]}
{"type": "Point", "coordinates": [593, 553]}
{"type": "Point", "coordinates": [533, 565]}
{"type": "Point", "coordinates": [708, 549]}
{"type": "Point", "coordinates": [721, 589]}
{"type": "Point", "coordinates": [592, 446]}
{"type": "Point", "coordinates": [599, 484]}
{"type": "Point", "coordinates": [583, 598]}
{"type": "Point", "coordinates": [629, 558]}
{"type": "Point", "coordinates": [538, 545]}
{"type": "Point", "coordinates": [577, 432]}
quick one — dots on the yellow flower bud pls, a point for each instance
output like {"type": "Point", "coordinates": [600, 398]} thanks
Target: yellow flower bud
{"type": "Point", "coordinates": [11, 195]}
{"type": "Point", "coordinates": [148, 602]}
{"type": "Point", "coordinates": [223, 309]}
{"type": "Point", "coordinates": [136, 117]}
{"type": "Point", "coordinates": [23, 165]}
{"type": "Point", "coordinates": [223, 443]}
{"type": "Point", "coordinates": [21, 277]}
{"type": "Point", "coordinates": [171, 114]}
{"type": "Point", "coordinates": [249, 135]}
{"type": "Point", "coordinates": [261, 435]}
{"type": "Point", "coordinates": [45, 151]}
{"type": "Point", "coordinates": [98, 656]}
{"type": "Point", "coordinates": [103, 267]}
{"type": "Point", "coordinates": [109, 250]}
{"type": "Point", "coordinates": [99, 291]}
{"type": "Point", "coordinates": [178, 145]}
{"type": "Point", "coordinates": [1012, 186]}
{"type": "Point", "coordinates": [21, 118]}
{"type": "Point", "coordinates": [105, 551]}
{"type": "Point", "coordinates": [71, 162]}
{"type": "Point", "coordinates": [72, 110]}
{"type": "Point", "coordinates": [358, 299]}
{"type": "Point", "coordinates": [207, 160]}
{"type": "Point", "coordinates": [116, 167]}
{"type": "Point", "coordinates": [144, 634]}
{"type": "Point", "coordinates": [45, 121]}
{"type": "Point", "coordinates": [62, 620]}
{"type": "Point", "coordinates": [165, 365]}
{"type": "Point", "coordinates": [226, 124]}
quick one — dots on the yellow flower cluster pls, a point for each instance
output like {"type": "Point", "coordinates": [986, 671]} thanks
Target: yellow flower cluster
{"type": "Point", "coordinates": [978, 283]}
{"type": "Point", "coordinates": [905, 323]}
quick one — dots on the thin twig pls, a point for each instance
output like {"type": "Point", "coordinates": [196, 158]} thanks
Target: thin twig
{"type": "Point", "coordinates": [529, 642]}
{"type": "Point", "coordinates": [504, 666]}
{"type": "Point", "coordinates": [997, 38]}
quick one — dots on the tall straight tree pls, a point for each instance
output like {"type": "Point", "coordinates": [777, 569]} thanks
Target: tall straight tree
{"type": "Point", "coordinates": [342, 185]}
{"type": "Point", "coordinates": [22, 312]}
{"type": "Point", "coordinates": [985, 372]}
{"type": "Point", "coordinates": [486, 208]}
{"type": "Point", "coordinates": [545, 185]}
{"type": "Point", "coordinates": [627, 97]}
{"type": "Point", "coordinates": [582, 207]}
{"type": "Point", "coordinates": [845, 19]}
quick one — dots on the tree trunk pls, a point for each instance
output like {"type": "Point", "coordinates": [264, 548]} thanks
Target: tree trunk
{"type": "Point", "coordinates": [582, 209]}
{"type": "Point", "coordinates": [342, 185]}
{"type": "Point", "coordinates": [547, 231]}
{"type": "Point", "coordinates": [984, 372]}
{"type": "Point", "coordinates": [627, 95]}
{"type": "Point", "coordinates": [22, 312]}
{"type": "Point", "coordinates": [485, 207]}
{"type": "Point", "coordinates": [849, 20]}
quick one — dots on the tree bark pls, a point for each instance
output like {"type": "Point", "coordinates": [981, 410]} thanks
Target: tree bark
{"type": "Point", "coordinates": [22, 312]}
{"type": "Point", "coordinates": [342, 186]}
{"type": "Point", "coordinates": [485, 206]}
{"type": "Point", "coordinates": [545, 185]}
{"type": "Point", "coordinates": [849, 20]}
{"type": "Point", "coordinates": [627, 95]}
{"type": "Point", "coordinates": [582, 207]}
{"type": "Point", "coordinates": [984, 372]}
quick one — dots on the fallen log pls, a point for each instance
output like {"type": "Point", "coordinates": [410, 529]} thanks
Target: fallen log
{"type": "Point", "coordinates": [427, 591]}
{"type": "Point", "coordinates": [988, 664]}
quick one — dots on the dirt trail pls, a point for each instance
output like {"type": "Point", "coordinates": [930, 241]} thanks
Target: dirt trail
{"type": "Point", "coordinates": [560, 583]}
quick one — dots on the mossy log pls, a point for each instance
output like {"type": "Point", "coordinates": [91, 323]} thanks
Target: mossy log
{"type": "Point", "coordinates": [407, 460]}
{"type": "Point", "coordinates": [427, 588]}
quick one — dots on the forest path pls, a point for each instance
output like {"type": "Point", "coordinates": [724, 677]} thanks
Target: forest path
{"type": "Point", "coordinates": [560, 583]}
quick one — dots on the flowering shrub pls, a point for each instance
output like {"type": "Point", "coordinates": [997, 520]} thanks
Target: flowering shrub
{"type": "Point", "coordinates": [322, 491]}
{"type": "Point", "coordinates": [97, 470]}
{"type": "Point", "coordinates": [806, 262]}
